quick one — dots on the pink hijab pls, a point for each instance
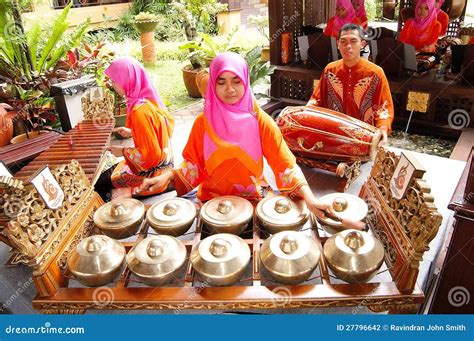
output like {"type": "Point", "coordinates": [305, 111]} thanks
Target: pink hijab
{"type": "Point", "coordinates": [130, 75]}
{"type": "Point", "coordinates": [361, 11]}
{"type": "Point", "coordinates": [421, 24]}
{"type": "Point", "coordinates": [350, 16]}
{"type": "Point", "coordinates": [234, 124]}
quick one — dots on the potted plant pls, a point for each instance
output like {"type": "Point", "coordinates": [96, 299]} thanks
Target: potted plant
{"type": "Point", "coordinates": [33, 111]}
{"type": "Point", "coordinates": [200, 54]}
{"type": "Point", "coordinates": [28, 64]}
{"type": "Point", "coordinates": [146, 23]}
{"type": "Point", "coordinates": [6, 124]}
{"type": "Point", "coordinates": [259, 70]}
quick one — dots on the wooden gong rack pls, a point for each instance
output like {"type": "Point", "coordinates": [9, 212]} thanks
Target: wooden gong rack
{"type": "Point", "coordinates": [405, 238]}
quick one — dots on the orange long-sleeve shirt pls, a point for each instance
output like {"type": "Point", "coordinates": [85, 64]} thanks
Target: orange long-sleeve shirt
{"type": "Point", "coordinates": [233, 176]}
{"type": "Point", "coordinates": [361, 91]}
{"type": "Point", "coordinates": [423, 41]}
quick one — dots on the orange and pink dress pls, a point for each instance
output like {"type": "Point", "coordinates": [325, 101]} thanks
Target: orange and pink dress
{"type": "Point", "coordinates": [150, 123]}
{"type": "Point", "coordinates": [225, 151]}
{"type": "Point", "coordinates": [422, 33]}
{"type": "Point", "coordinates": [335, 23]}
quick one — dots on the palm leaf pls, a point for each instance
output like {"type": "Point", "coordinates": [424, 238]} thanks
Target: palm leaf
{"type": "Point", "coordinates": [33, 37]}
{"type": "Point", "coordinates": [68, 43]}
{"type": "Point", "coordinates": [59, 27]}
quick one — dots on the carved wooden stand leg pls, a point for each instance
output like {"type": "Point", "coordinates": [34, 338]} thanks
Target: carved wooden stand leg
{"type": "Point", "coordinates": [63, 311]}
{"type": "Point", "coordinates": [396, 309]}
{"type": "Point", "coordinates": [347, 171]}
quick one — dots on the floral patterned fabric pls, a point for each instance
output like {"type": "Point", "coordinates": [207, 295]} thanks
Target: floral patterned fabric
{"type": "Point", "coordinates": [151, 132]}
{"type": "Point", "coordinates": [361, 91]}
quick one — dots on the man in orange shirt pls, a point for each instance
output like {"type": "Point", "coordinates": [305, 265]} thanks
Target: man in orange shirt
{"type": "Point", "coordinates": [354, 86]}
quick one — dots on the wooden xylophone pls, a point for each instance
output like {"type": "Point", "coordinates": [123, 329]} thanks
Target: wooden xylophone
{"type": "Point", "coordinates": [86, 143]}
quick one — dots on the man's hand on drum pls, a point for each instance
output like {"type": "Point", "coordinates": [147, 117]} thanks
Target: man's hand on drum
{"type": "Point", "coordinates": [152, 184]}
{"type": "Point", "coordinates": [123, 131]}
{"type": "Point", "coordinates": [384, 139]}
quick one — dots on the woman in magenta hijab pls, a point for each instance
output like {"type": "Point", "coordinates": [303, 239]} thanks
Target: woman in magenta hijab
{"type": "Point", "coordinates": [360, 13]}
{"type": "Point", "coordinates": [225, 151]}
{"type": "Point", "coordinates": [345, 14]}
{"type": "Point", "coordinates": [148, 123]}
{"type": "Point", "coordinates": [424, 30]}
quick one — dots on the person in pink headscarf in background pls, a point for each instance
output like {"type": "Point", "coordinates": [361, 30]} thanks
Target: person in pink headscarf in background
{"type": "Point", "coordinates": [424, 30]}
{"type": "Point", "coordinates": [225, 150]}
{"type": "Point", "coordinates": [345, 14]}
{"type": "Point", "coordinates": [361, 15]}
{"type": "Point", "coordinates": [148, 122]}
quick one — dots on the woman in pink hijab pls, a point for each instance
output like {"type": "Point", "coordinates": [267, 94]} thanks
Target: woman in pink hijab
{"type": "Point", "coordinates": [361, 15]}
{"type": "Point", "coordinates": [424, 30]}
{"type": "Point", "coordinates": [148, 123]}
{"type": "Point", "coordinates": [345, 14]}
{"type": "Point", "coordinates": [225, 150]}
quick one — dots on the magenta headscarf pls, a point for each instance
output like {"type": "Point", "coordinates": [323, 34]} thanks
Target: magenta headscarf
{"type": "Point", "coordinates": [235, 124]}
{"type": "Point", "coordinates": [350, 16]}
{"type": "Point", "coordinates": [130, 75]}
{"type": "Point", "coordinates": [421, 24]}
{"type": "Point", "coordinates": [361, 11]}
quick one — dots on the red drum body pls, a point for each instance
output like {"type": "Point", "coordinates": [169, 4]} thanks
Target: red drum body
{"type": "Point", "coordinates": [321, 133]}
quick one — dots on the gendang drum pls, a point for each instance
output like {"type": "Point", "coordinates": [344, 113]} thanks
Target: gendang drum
{"type": "Point", "coordinates": [321, 133]}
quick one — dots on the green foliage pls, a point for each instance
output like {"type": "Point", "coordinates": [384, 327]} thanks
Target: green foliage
{"type": "Point", "coordinates": [197, 16]}
{"type": "Point", "coordinates": [203, 51]}
{"type": "Point", "coordinates": [259, 70]}
{"type": "Point", "coordinates": [25, 6]}
{"type": "Point", "coordinates": [25, 57]}
{"type": "Point", "coordinates": [261, 23]}
{"type": "Point", "coordinates": [126, 26]}
{"type": "Point", "coordinates": [151, 6]}
{"type": "Point", "coordinates": [28, 61]}
{"type": "Point", "coordinates": [168, 29]}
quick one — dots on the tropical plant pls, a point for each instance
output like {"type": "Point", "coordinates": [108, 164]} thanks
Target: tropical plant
{"type": "Point", "coordinates": [85, 60]}
{"type": "Point", "coordinates": [29, 60]}
{"type": "Point", "coordinates": [261, 23]}
{"type": "Point", "coordinates": [22, 59]}
{"type": "Point", "coordinates": [126, 26]}
{"type": "Point", "coordinates": [197, 16]}
{"type": "Point", "coordinates": [151, 6]}
{"type": "Point", "coordinates": [202, 52]}
{"type": "Point", "coordinates": [259, 70]}
{"type": "Point", "coordinates": [33, 109]}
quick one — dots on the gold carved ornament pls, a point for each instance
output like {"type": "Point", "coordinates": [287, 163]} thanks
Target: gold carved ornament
{"type": "Point", "coordinates": [32, 222]}
{"type": "Point", "coordinates": [414, 220]}
{"type": "Point", "coordinates": [98, 109]}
